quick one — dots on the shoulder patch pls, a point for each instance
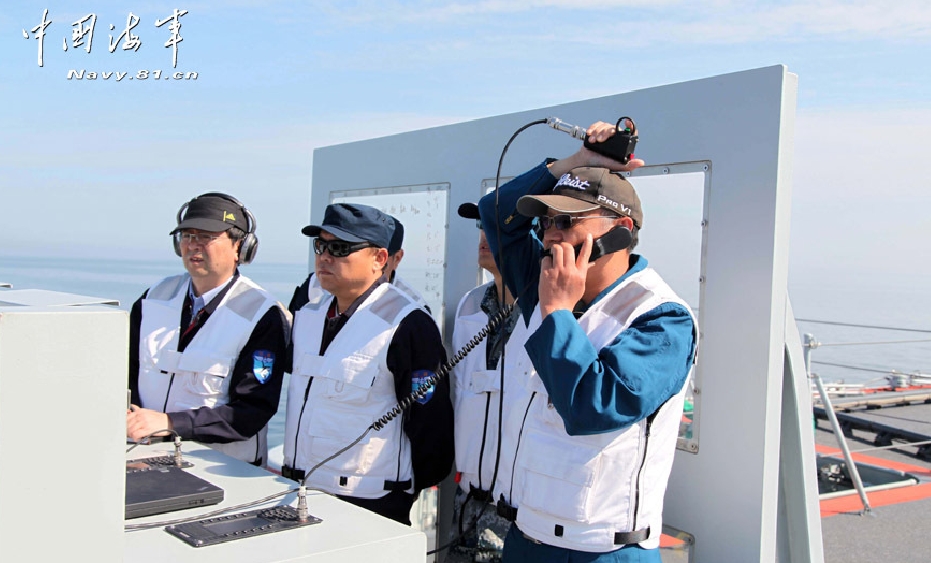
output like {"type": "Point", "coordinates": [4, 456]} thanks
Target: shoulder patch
{"type": "Point", "coordinates": [262, 363]}
{"type": "Point", "coordinates": [418, 379]}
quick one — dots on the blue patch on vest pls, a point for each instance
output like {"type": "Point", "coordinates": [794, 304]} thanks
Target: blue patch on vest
{"type": "Point", "coordinates": [262, 362]}
{"type": "Point", "coordinates": [418, 379]}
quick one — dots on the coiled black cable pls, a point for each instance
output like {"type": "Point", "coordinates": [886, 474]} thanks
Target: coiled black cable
{"type": "Point", "coordinates": [444, 370]}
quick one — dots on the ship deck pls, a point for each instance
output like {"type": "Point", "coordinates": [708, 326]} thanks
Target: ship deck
{"type": "Point", "coordinates": [896, 529]}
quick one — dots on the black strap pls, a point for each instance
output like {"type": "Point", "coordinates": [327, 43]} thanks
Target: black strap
{"type": "Point", "coordinates": [295, 474]}
{"type": "Point", "coordinates": [637, 536]}
{"type": "Point", "coordinates": [505, 510]}
{"type": "Point", "coordinates": [398, 485]}
{"type": "Point", "coordinates": [620, 538]}
{"type": "Point", "coordinates": [289, 472]}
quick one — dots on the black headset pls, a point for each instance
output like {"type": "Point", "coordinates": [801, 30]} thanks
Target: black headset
{"type": "Point", "coordinates": [250, 244]}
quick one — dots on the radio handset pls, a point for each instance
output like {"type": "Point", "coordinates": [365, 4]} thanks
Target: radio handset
{"type": "Point", "coordinates": [619, 147]}
{"type": "Point", "coordinates": [618, 238]}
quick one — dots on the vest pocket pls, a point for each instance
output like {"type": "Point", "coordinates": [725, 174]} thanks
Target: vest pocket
{"type": "Point", "coordinates": [352, 382]}
{"type": "Point", "coordinates": [205, 381]}
{"type": "Point", "coordinates": [471, 429]}
{"type": "Point", "coordinates": [558, 477]}
{"type": "Point", "coordinates": [332, 430]}
{"type": "Point", "coordinates": [481, 381]}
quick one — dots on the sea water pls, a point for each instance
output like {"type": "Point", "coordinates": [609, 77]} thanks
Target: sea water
{"type": "Point", "coordinates": [866, 353]}
{"type": "Point", "coordinates": [126, 280]}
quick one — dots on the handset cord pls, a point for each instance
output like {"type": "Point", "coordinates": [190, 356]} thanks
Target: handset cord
{"type": "Point", "coordinates": [444, 370]}
{"type": "Point", "coordinates": [424, 388]}
{"type": "Point", "coordinates": [503, 312]}
{"type": "Point", "coordinates": [502, 308]}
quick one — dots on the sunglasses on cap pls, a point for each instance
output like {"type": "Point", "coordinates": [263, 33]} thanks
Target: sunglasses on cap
{"type": "Point", "coordinates": [339, 248]}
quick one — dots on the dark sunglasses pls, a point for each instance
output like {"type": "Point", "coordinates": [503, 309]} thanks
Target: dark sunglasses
{"type": "Point", "coordinates": [563, 222]}
{"type": "Point", "coordinates": [338, 248]}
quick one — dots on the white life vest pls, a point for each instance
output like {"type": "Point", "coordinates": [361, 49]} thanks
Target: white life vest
{"type": "Point", "coordinates": [478, 394]}
{"type": "Point", "coordinates": [172, 381]}
{"type": "Point", "coordinates": [410, 291]}
{"type": "Point", "coordinates": [314, 291]}
{"type": "Point", "coordinates": [333, 398]}
{"type": "Point", "coordinates": [578, 492]}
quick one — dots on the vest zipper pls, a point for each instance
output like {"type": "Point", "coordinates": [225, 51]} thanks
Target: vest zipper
{"type": "Point", "coordinates": [171, 381]}
{"type": "Point", "coordinates": [643, 462]}
{"type": "Point", "coordinates": [481, 451]}
{"type": "Point", "coordinates": [297, 430]}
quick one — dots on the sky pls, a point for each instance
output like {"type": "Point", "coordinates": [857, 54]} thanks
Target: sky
{"type": "Point", "coordinates": [99, 168]}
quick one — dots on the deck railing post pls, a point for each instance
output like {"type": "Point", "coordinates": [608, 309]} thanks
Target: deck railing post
{"type": "Point", "coordinates": [810, 344]}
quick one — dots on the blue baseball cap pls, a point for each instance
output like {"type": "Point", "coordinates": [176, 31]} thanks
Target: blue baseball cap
{"type": "Point", "coordinates": [354, 222]}
{"type": "Point", "coordinates": [397, 237]}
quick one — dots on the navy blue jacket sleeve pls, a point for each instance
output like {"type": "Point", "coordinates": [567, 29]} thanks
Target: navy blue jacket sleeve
{"type": "Point", "coordinates": [299, 298]}
{"type": "Point", "coordinates": [416, 350]}
{"type": "Point", "coordinates": [135, 321]}
{"type": "Point", "coordinates": [516, 249]}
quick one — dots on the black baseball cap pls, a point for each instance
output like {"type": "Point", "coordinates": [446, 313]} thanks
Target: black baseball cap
{"type": "Point", "coordinates": [214, 213]}
{"type": "Point", "coordinates": [354, 222]}
{"type": "Point", "coordinates": [586, 189]}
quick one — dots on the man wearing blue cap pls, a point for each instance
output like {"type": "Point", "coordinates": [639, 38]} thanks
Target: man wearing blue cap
{"type": "Point", "coordinates": [361, 345]}
{"type": "Point", "coordinates": [207, 348]}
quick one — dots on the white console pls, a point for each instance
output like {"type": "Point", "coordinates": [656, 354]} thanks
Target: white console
{"type": "Point", "coordinates": [63, 361]}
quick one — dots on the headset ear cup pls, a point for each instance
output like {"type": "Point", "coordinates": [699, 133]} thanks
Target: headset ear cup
{"type": "Point", "coordinates": [248, 248]}
{"type": "Point", "coordinates": [176, 242]}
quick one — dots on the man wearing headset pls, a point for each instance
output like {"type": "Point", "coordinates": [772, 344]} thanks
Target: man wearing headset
{"type": "Point", "coordinates": [612, 347]}
{"type": "Point", "coordinates": [361, 346]}
{"type": "Point", "coordinates": [207, 348]}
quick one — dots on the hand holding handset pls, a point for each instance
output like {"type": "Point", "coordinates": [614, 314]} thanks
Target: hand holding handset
{"type": "Point", "coordinates": [618, 238]}
{"type": "Point", "coordinates": [619, 147]}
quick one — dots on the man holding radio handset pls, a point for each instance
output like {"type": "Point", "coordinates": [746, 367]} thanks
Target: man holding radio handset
{"type": "Point", "coordinates": [612, 347]}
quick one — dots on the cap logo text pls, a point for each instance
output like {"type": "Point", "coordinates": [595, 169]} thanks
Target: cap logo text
{"type": "Point", "coordinates": [572, 182]}
{"type": "Point", "coordinates": [227, 216]}
{"type": "Point", "coordinates": [614, 204]}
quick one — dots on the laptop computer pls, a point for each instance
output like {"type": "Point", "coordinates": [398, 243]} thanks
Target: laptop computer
{"type": "Point", "coordinates": [156, 488]}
